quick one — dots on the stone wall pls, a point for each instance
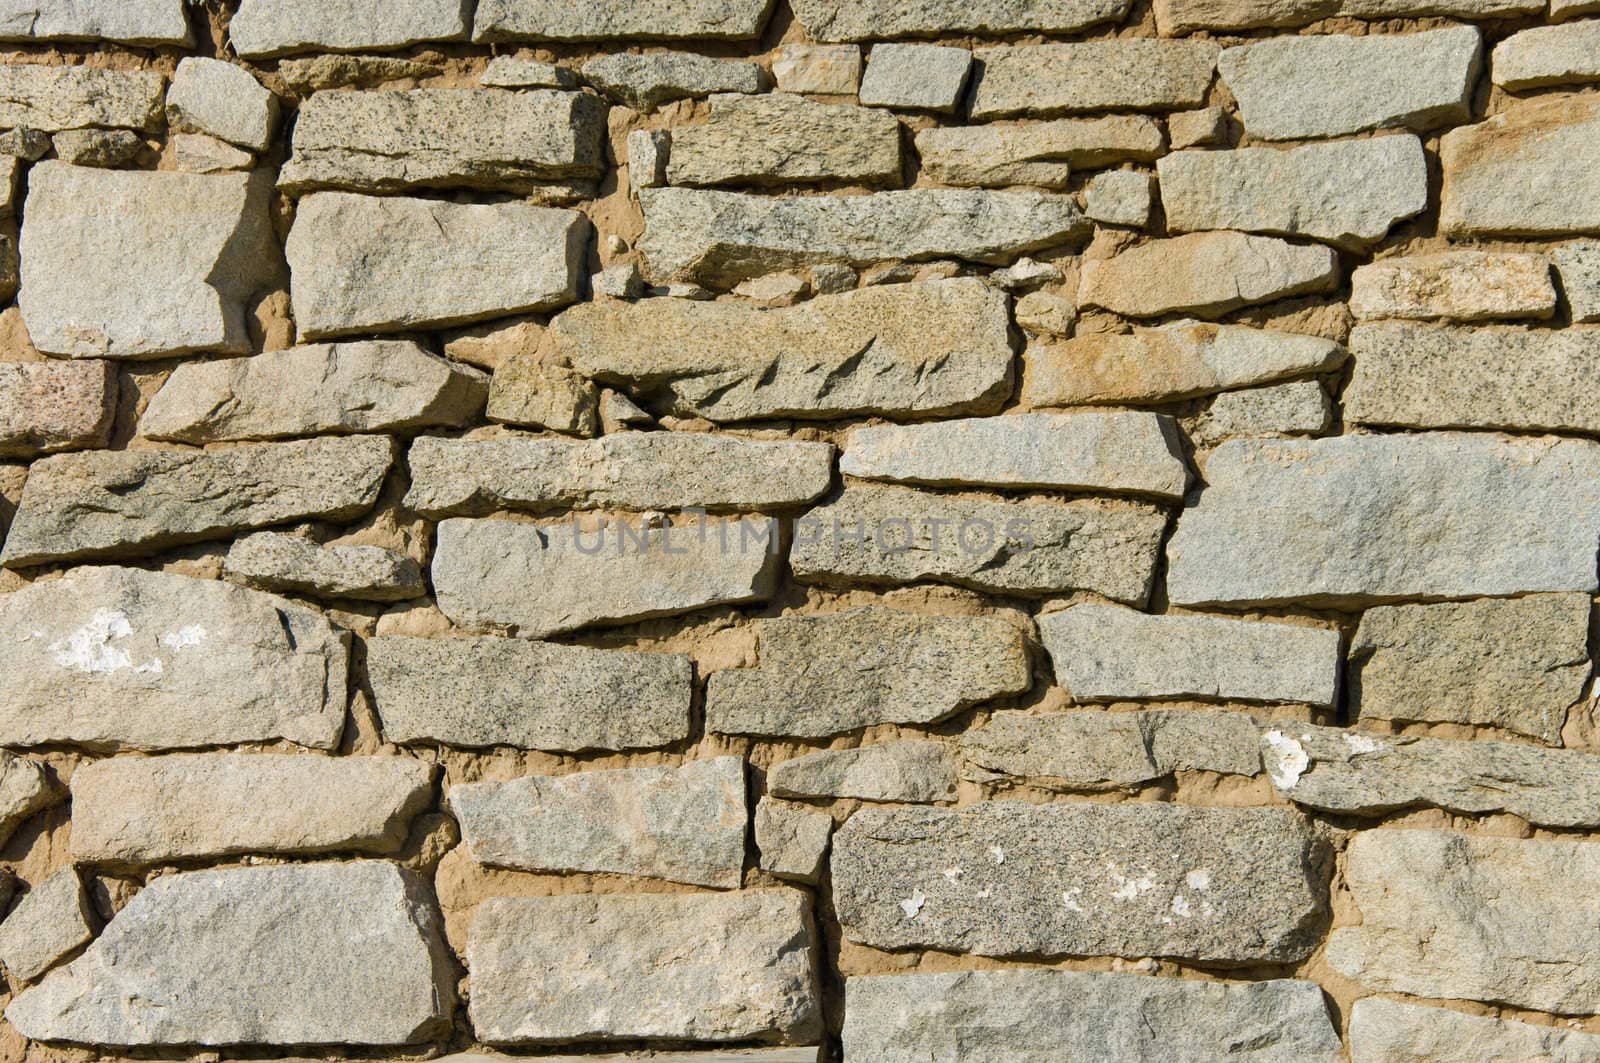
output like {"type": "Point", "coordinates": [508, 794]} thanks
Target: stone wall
{"type": "Point", "coordinates": [898, 530]}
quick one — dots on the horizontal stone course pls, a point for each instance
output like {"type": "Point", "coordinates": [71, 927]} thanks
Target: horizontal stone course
{"type": "Point", "coordinates": [1035, 153]}
{"type": "Point", "coordinates": [1044, 80]}
{"type": "Point", "coordinates": [51, 99]}
{"type": "Point", "coordinates": [1455, 286]}
{"type": "Point", "coordinates": [645, 82]}
{"type": "Point", "coordinates": [599, 20]}
{"type": "Point", "coordinates": [1547, 55]}
{"type": "Point", "coordinates": [1206, 274]}
{"type": "Point", "coordinates": [1175, 17]}
{"type": "Point", "coordinates": [860, 20]}
{"type": "Point", "coordinates": [1388, 1031]}
{"type": "Point", "coordinates": [909, 770]}
{"type": "Point", "coordinates": [781, 139]}
{"type": "Point", "coordinates": [144, 22]}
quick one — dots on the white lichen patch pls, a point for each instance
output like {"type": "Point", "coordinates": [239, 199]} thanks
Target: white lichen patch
{"type": "Point", "coordinates": [912, 905]}
{"type": "Point", "coordinates": [192, 635]}
{"type": "Point", "coordinates": [1285, 759]}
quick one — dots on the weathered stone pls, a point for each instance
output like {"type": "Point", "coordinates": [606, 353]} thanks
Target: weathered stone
{"type": "Point", "coordinates": [355, 261]}
{"type": "Point", "coordinates": [1444, 376]}
{"type": "Point", "coordinates": [775, 289]}
{"type": "Point", "coordinates": [1294, 88]}
{"type": "Point", "coordinates": [292, 955]}
{"type": "Point", "coordinates": [1387, 1031]}
{"type": "Point", "coordinates": [827, 674]}
{"type": "Point", "coordinates": [911, 770]}
{"type": "Point", "coordinates": [30, 145]}
{"type": "Point", "coordinates": [483, 571]}
{"type": "Point", "coordinates": [262, 28]}
{"type": "Point", "coordinates": [1515, 174]}
{"type": "Point", "coordinates": [187, 662]}
{"type": "Point", "coordinates": [1127, 74]}
{"type": "Point", "coordinates": [727, 237]}
{"type": "Point", "coordinates": [1162, 364]}
{"type": "Point", "coordinates": [1126, 451]}
{"type": "Point", "coordinates": [1121, 197]}
{"type": "Point", "coordinates": [1207, 274]}
{"type": "Point", "coordinates": [1447, 915]}
{"type": "Point", "coordinates": [919, 77]}
{"type": "Point", "coordinates": [648, 152]}
{"type": "Point", "coordinates": [618, 282]}
{"type": "Point", "coordinates": [142, 22]}
{"type": "Point", "coordinates": [198, 153]}
{"type": "Point", "coordinates": [1107, 750]}
{"type": "Point", "coordinates": [1043, 1016]}
{"type": "Point", "coordinates": [1458, 285]}
{"type": "Point", "coordinates": [596, 20]}
{"type": "Point", "coordinates": [1579, 267]}
{"type": "Point", "coordinates": [490, 343]}
{"type": "Point", "coordinates": [51, 406]}
{"type": "Point", "coordinates": [273, 561]}
{"type": "Point", "coordinates": [1226, 885]}
{"type": "Point", "coordinates": [777, 138]}
{"type": "Point", "coordinates": [155, 810]}
{"type": "Point", "coordinates": [1177, 17]}
{"type": "Point", "coordinates": [1107, 653]}
{"type": "Point", "coordinates": [479, 692]}
{"type": "Point", "coordinates": [864, 20]}
{"type": "Point", "coordinates": [706, 967]}
{"type": "Point", "coordinates": [645, 82]}
{"type": "Point", "coordinates": [876, 533]}
{"type": "Point", "coordinates": [1301, 408]}
{"type": "Point", "coordinates": [24, 790]}
{"type": "Point", "coordinates": [1349, 193]}
{"type": "Point", "coordinates": [1026, 273]}
{"type": "Point", "coordinates": [1045, 314]}
{"type": "Point", "coordinates": [444, 138]}
{"type": "Point", "coordinates": [810, 1054]}
{"type": "Point", "coordinates": [1205, 127]}
{"type": "Point", "coordinates": [47, 924]}
{"type": "Point", "coordinates": [303, 76]}
{"type": "Point", "coordinates": [1037, 153]}
{"type": "Point", "coordinates": [526, 391]}
{"type": "Point", "coordinates": [793, 840]}
{"type": "Point", "coordinates": [629, 470]}
{"type": "Point", "coordinates": [133, 502]}
{"type": "Point", "coordinates": [164, 266]}
{"type": "Point", "coordinates": [930, 349]}
{"type": "Point", "coordinates": [684, 824]}
{"type": "Point", "coordinates": [1513, 663]}
{"type": "Point", "coordinates": [53, 98]}
{"type": "Point", "coordinates": [1548, 55]}
{"type": "Point", "coordinates": [1369, 519]}
{"type": "Point", "coordinates": [224, 101]}
{"type": "Point", "coordinates": [514, 72]}
{"type": "Point", "coordinates": [104, 148]}
{"type": "Point", "coordinates": [827, 70]}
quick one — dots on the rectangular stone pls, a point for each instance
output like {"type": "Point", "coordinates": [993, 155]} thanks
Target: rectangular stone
{"type": "Point", "coordinates": [123, 503]}
{"type": "Point", "coordinates": [1041, 1016]}
{"type": "Point", "coordinates": [1296, 88]}
{"type": "Point", "coordinates": [51, 921]}
{"type": "Point", "coordinates": [264, 28]}
{"type": "Point", "coordinates": [1455, 285]}
{"type": "Point", "coordinates": [1548, 55]}
{"type": "Point", "coordinates": [1222, 885]}
{"type": "Point", "coordinates": [678, 824]}
{"type": "Point", "coordinates": [1298, 409]}
{"type": "Point", "coordinates": [1366, 519]}
{"type": "Point", "coordinates": [1388, 1031]}
{"type": "Point", "coordinates": [1036, 153]}
{"type": "Point", "coordinates": [1349, 193]}
{"type": "Point", "coordinates": [149, 23]}
{"type": "Point", "coordinates": [1524, 172]}
{"type": "Point", "coordinates": [1579, 267]}
{"type": "Point", "coordinates": [51, 406]}
{"type": "Point", "coordinates": [53, 98]}
{"type": "Point", "coordinates": [1206, 274]}
{"type": "Point", "coordinates": [293, 564]}
{"type": "Point", "coordinates": [779, 139]}
{"type": "Point", "coordinates": [536, 580]}
{"type": "Point", "coordinates": [867, 20]}
{"type": "Point", "coordinates": [725, 237]}
{"type": "Point", "coordinates": [444, 138]}
{"type": "Point", "coordinates": [1025, 548]}
{"type": "Point", "coordinates": [135, 811]}
{"type": "Point", "coordinates": [1453, 916]}
{"type": "Point", "coordinates": [599, 20]}
{"type": "Point", "coordinates": [629, 470]}
{"type": "Point", "coordinates": [645, 82]}
{"type": "Point", "coordinates": [1177, 17]}
{"type": "Point", "coordinates": [792, 839]}
{"type": "Point", "coordinates": [355, 261]}
{"type": "Point", "coordinates": [1137, 74]}
{"type": "Point", "coordinates": [1462, 376]}
{"type": "Point", "coordinates": [706, 967]}
{"type": "Point", "coordinates": [919, 77]}
{"type": "Point", "coordinates": [910, 770]}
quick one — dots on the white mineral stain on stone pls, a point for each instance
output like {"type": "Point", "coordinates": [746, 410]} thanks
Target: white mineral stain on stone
{"type": "Point", "coordinates": [914, 905]}
{"type": "Point", "coordinates": [953, 873]}
{"type": "Point", "coordinates": [1360, 744]}
{"type": "Point", "coordinates": [998, 854]}
{"type": "Point", "coordinates": [1129, 889]}
{"type": "Point", "coordinates": [193, 635]}
{"type": "Point", "coordinates": [1181, 907]}
{"type": "Point", "coordinates": [1286, 760]}
{"type": "Point", "coordinates": [88, 649]}
{"type": "Point", "coordinates": [1198, 880]}
{"type": "Point", "coordinates": [1070, 899]}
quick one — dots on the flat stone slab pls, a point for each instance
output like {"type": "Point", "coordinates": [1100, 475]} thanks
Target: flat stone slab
{"type": "Point", "coordinates": [1176, 17]}
{"type": "Point", "coordinates": [222, 100]}
{"type": "Point", "coordinates": [1579, 266]}
{"type": "Point", "coordinates": [1547, 55]}
{"type": "Point", "coordinates": [1119, 452]}
{"type": "Point", "coordinates": [780, 139]}
{"type": "Point", "coordinates": [919, 77]}
{"type": "Point", "coordinates": [293, 955]}
{"type": "Point", "coordinates": [1371, 519]}
{"type": "Point", "coordinates": [702, 967]}
{"type": "Point", "coordinates": [1450, 916]}
{"type": "Point", "coordinates": [1301, 408]}
{"type": "Point", "coordinates": [263, 28]}
{"type": "Point", "coordinates": [645, 82]}
{"type": "Point", "coordinates": [156, 810]}
{"type": "Point", "coordinates": [560, 20]}
{"type": "Point", "coordinates": [1207, 274]}
{"type": "Point", "coordinates": [129, 503]}
{"type": "Point", "coordinates": [187, 662]}
{"type": "Point", "coordinates": [629, 470]}
{"type": "Point", "coordinates": [479, 692]}
{"type": "Point", "coordinates": [726, 237]}
{"type": "Point", "coordinates": [1136, 74]}
{"type": "Point", "coordinates": [683, 824]}
{"type": "Point", "coordinates": [835, 672]}
{"type": "Point", "coordinates": [1223, 885]}
{"type": "Point", "coordinates": [50, 99]}
{"type": "Point", "coordinates": [1387, 1031]}
{"type": "Point", "coordinates": [865, 20]}
{"type": "Point", "coordinates": [151, 23]}
{"type": "Point", "coordinates": [1454, 285]}
{"type": "Point", "coordinates": [929, 349]}
{"type": "Point", "coordinates": [1524, 172]}
{"type": "Point", "coordinates": [355, 261]}
{"type": "Point", "coordinates": [792, 839]}
{"type": "Point", "coordinates": [24, 791]}
{"type": "Point", "coordinates": [1044, 1016]}
{"type": "Point", "coordinates": [906, 770]}
{"type": "Point", "coordinates": [51, 406]}
{"type": "Point", "coordinates": [883, 534]}
{"type": "Point", "coordinates": [51, 921]}
{"type": "Point", "coordinates": [276, 561]}
{"type": "Point", "coordinates": [444, 138]}
{"type": "Point", "coordinates": [163, 265]}
{"type": "Point", "coordinates": [360, 386]}
{"type": "Point", "coordinates": [1037, 153]}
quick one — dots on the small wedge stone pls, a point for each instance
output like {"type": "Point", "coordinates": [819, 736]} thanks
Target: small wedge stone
{"type": "Point", "coordinates": [513, 72]}
{"type": "Point", "coordinates": [104, 148]}
{"type": "Point", "coordinates": [825, 70]}
{"type": "Point", "coordinates": [645, 82]}
{"type": "Point", "coordinates": [1579, 267]}
{"type": "Point", "coordinates": [528, 392]}
{"type": "Point", "coordinates": [1207, 274]}
{"type": "Point", "coordinates": [222, 100]}
{"type": "Point", "coordinates": [918, 77]}
{"type": "Point", "coordinates": [273, 561]}
{"type": "Point", "coordinates": [51, 406]}
{"type": "Point", "coordinates": [792, 839]}
{"type": "Point", "coordinates": [198, 153]}
{"type": "Point", "coordinates": [24, 790]}
{"type": "Point", "coordinates": [45, 925]}
{"type": "Point", "coordinates": [909, 770]}
{"type": "Point", "coordinates": [1036, 153]}
{"type": "Point", "coordinates": [1455, 285]}
{"type": "Point", "coordinates": [1121, 197]}
{"type": "Point", "coordinates": [777, 139]}
{"type": "Point", "coordinates": [264, 28]}
{"type": "Point", "coordinates": [1042, 80]}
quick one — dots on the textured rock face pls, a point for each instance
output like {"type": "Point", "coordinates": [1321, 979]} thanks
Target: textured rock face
{"type": "Point", "coordinates": [679, 824]}
{"type": "Point", "coordinates": [146, 22]}
{"type": "Point", "coordinates": [49, 99]}
{"type": "Point", "coordinates": [1450, 916]}
{"type": "Point", "coordinates": [1040, 1016]}
{"type": "Point", "coordinates": [1052, 79]}
{"type": "Point", "coordinates": [155, 810]}
{"type": "Point", "coordinates": [1514, 173]}
{"type": "Point", "coordinates": [828, 70]}
{"type": "Point", "coordinates": [24, 790]}
{"type": "Point", "coordinates": [823, 675]}
{"type": "Point", "coordinates": [1233, 885]}
{"type": "Point", "coordinates": [1456, 285]}
{"type": "Point", "coordinates": [645, 82]}
{"type": "Point", "coordinates": [188, 663]}
{"type": "Point", "coordinates": [264, 28]}
{"type": "Point", "coordinates": [782, 139]}
{"type": "Point", "coordinates": [1185, 16]}
{"type": "Point", "coordinates": [703, 967]}
{"type": "Point", "coordinates": [858, 20]}
{"type": "Point", "coordinates": [198, 245]}
{"type": "Point", "coordinates": [1441, 515]}
{"type": "Point", "coordinates": [528, 392]}
{"type": "Point", "coordinates": [923, 77]}
{"type": "Point", "coordinates": [1207, 274]}
{"type": "Point", "coordinates": [910, 770]}
{"type": "Point", "coordinates": [489, 691]}
{"type": "Point", "coordinates": [47, 924]}
{"type": "Point", "coordinates": [133, 502]}
{"type": "Point", "coordinates": [303, 954]}
{"type": "Point", "coordinates": [1038, 153]}
{"type": "Point", "coordinates": [224, 101]}
{"type": "Point", "coordinates": [792, 840]}
{"type": "Point", "coordinates": [273, 561]}
{"type": "Point", "coordinates": [1578, 264]}
{"type": "Point", "coordinates": [1297, 409]}
{"type": "Point", "coordinates": [1386, 1031]}
{"type": "Point", "coordinates": [1547, 55]}
{"type": "Point", "coordinates": [558, 20]}
{"type": "Point", "coordinates": [51, 406]}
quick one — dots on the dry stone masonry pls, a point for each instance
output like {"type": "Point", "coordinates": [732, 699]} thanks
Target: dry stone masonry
{"type": "Point", "coordinates": [799, 531]}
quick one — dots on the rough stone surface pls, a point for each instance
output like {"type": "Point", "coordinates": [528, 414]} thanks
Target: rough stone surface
{"type": "Point", "coordinates": [45, 925]}
{"type": "Point", "coordinates": [858, 20]}
{"type": "Point", "coordinates": [301, 954]}
{"type": "Point", "coordinates": [51, 406]}
{"type": "Point", "coordinates": [1455, 285]}
{"type": "Point", "coordinates": [50, 99]}
{"type": "Point", "coordinates": [24, 790]}
{"type": "Point", "coordinates": [1174, 17]}
{"type": "Point", "coordinates": [1548, 55]}
{"type": "Point", "coordinates": [1387, 1031]}
{"type": "Point", "coordinates": [305, 76]}
{"type": "Point", "coordinates": [823, 675]}
{"type": "Point", "coordinates": [648, 152]}
{"type": "Point", "coordinates": [705, 967]}
{"type": "Point", "coordinates": [134, 502]}
{"type": "Point", "coordinates": [1207, 274]}
{"type": "Point", "coordinates": [1301, 408]}
{"type": "Point", "coordinates": [826, 70]}
{"type": "Point", "coordinates": [143, 22]}
{"type": "Point", "coordinates": [1036, 153]}
{"type": "Point", "coordinates": [1231, 885]}
{"type": "Point", "coordinates": [1131, 74]}
{"type": "Point", "coordinates": [684, 824]}
{"type": "Point", "coordinates": [645, 82]}
{"type": "Point", "coordinates": [1121, 197]}
{"type": "Point", "coordinates": [1205, 127]}
{"type": "Point", "coordinates": [262, 28]}
{"type": "Point", "coordinates": [1578, 265]}
{"type": "Point", "coordinates": [1514, 174]}
{"type": "Point", "coordinates": [561, 20]}
{"type": "Point", "coordinates": [198, 153]}
{"type": "Point", "coordinates": [528, 392]}
{"type": "Point", "coordinates": [777, 139]}
{"type": "Point", "coordinates": [792, 840]}
{"type": "Point", "coordinates": [222, 100]}
{"type": "Point", "coordinates": [1369, 519]}
{"type": "Point", "coordinates": [918, 77]}
{"type": "Point", "coordinates": [273, 561]}
{"type": "Point", "coordinates": [105, 148]}
{"type": "Point", "coordinates": [513, 72]}
{"type": "Point", "coordinates": [908, 770]}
